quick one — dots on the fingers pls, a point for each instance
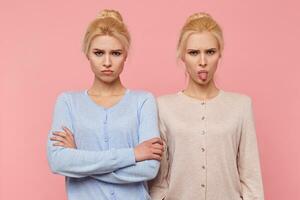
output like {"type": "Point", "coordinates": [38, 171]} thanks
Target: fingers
{"type": "Point", "coordinates": [156, 140]}
{"type": "Point", "coordinates": [157, 152]}
{"type": "Point", "coordinates": [58, 139]}
{"type": "Point", "coordinates": [68, 131]}
{"type": "Point", "coordinates": [62, 139]}
{"type": "Point", "coordinates": [158, 146]}
{"type": "Point", "coordinates": [61, 144]}
{"type": "Point", "coordinates": [157, 149]}
{"type": "Point", "coordinates": [67, 135]}
{"type": "Point", "coordinates": [156, 157]}
{"type": "Point", "coordinates": [71, 138]}
{"type": "Point", "coordinates": [60, 134]}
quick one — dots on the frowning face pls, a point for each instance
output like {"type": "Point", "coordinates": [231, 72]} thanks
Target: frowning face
{"type": "Point", "coordinates": [107, 57]}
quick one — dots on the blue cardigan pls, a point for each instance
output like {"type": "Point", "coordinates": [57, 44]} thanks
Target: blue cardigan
{"type": "Point", "coordinates": [103, 166]}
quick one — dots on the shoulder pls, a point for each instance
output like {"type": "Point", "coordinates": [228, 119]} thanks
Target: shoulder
{"type": "Point", "coordinates": [167, 98]}
{"type": "Point", "coordinates": [169, 102]}
{"type": "Point", "coordinates": [234, 96]}
{"type": "Point", "coordinates": [141, 96]}
{"type": "Point", "coordinates": [69, 96]}
{"type": "Point", "coordinates": [237, 99]}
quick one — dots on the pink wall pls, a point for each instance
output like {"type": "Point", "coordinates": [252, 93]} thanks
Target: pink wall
{"type": "Point", "coordinates": [40, 57]}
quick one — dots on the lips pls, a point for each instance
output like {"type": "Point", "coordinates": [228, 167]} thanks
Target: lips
{"type": "Point", "coordinates": [107, 72]}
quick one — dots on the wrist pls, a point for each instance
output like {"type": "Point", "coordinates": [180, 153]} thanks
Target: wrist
{"type": "Point", "coordinates": [135, 151]}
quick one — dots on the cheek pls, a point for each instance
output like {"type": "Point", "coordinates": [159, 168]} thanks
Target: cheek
{"type": "Point", "coordinates": [190, 63]}
{"type": "Point", "coordinates": [94, 61]}
{"type": "Point", "coordinates": [119, 63]}
{"type": "Point", "coordinates": [214, 63]}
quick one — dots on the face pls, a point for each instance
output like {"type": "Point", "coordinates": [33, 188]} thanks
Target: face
{"type": "Point", "coordinates": [107, 57]}
{"type": "Point", "coordinates": [201, 56]}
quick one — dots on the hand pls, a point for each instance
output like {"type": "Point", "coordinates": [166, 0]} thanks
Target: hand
{"type": "Point", "coordinates": [64, 139]}
{"type": "Point", "coordinates": [149, 150]}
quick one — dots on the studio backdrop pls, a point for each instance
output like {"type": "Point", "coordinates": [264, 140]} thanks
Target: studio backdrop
{"type": "Point", "coordinates": [40, 49]}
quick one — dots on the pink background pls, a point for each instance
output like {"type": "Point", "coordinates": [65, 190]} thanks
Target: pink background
{"type": "Point", "coordinates": [41, 56]}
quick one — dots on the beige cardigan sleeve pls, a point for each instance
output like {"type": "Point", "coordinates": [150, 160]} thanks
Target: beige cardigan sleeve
{"type": "Point", "coordinates": [158, 187]}
{"type": "Point", "coordinates": [248, 158]}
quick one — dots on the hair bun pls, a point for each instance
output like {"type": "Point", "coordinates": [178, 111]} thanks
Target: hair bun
{"type": "Point", "coordinates": [110, 13]}
{"type": "Point", "coordinates": [198, 16]}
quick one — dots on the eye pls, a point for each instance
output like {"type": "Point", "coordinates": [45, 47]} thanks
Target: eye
{"type": "Point", "coordinates": [211, 52]}
{"type": "Point", "coordinates": [116, 53]}
{"type": "Point", "coordinates": [98, 53]}
{"type": "Point", "coordinates": [193, 53]}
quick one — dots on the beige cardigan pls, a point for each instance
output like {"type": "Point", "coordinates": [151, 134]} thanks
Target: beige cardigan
{"type": "Point", "coordinates": [211, 149]}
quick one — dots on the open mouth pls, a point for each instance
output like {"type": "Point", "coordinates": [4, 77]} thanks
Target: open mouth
{"type": "Point", "coordinates": [203, 74]}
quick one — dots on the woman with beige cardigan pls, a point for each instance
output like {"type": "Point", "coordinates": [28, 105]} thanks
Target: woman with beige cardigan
{"type": "Point", "coordinates": [209, 133]}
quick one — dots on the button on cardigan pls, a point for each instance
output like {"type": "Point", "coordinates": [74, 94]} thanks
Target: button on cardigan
{"type": "Point", "coordinates": [212, 150]}
{"type": "Point", "coordinates": [103, 166]}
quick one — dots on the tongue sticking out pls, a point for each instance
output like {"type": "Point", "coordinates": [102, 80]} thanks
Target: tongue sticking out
{"type": "Point", "coordinates": [203, 76]}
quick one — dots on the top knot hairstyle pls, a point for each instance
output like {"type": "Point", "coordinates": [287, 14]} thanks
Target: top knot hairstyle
{"type": "Point", "coordinates": [110, 13]}
{"type": "Point", "coordinates": [197, 23]}
{"type": "Point", "coordinates": [107, 22]}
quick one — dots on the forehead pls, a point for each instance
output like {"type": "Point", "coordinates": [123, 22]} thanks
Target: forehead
{"type": "Point", "coordinates": [203, 40]}
{"type": "Point", "coordinates": [106, 42]}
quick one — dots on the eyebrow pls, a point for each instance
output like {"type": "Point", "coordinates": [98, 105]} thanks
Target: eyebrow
{"type": "Point", "coordinates": [193, 49]}
{"type": "Point", "coordinates": [96, 49]}
{"type": "Point", "coordinates": [199, 50]}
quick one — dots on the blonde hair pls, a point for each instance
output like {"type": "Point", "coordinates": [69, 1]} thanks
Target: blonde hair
{"type": "Point", "coordinates": [197, 23]}
{"type": "Point", "coordinates": [107, 22]}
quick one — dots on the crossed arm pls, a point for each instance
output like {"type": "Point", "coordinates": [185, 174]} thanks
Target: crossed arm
{"type": "Point", "coordinates": [118, 166]}
{"type": "Point", "coordinates": [151, 149]}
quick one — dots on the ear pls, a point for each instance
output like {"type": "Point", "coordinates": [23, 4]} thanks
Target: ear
{"type": "Point", "coordinates": [220, 58]}
{"type": "Point", "coordinates": [87, 56]}
{"type": "Point", "coordinates": [182, 58]}
{"type": "Point", "coordinates": [125, 56]}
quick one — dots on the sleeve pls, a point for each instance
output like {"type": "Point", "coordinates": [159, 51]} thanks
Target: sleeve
{"type": "Point", "coordinates": [80, 163]}
{"type": "Point", "coordinates": [159, 186]}
{"type": "Point", "coordinates": [248, 158]}
{"type": "Point", "coordinates": [144, 170]}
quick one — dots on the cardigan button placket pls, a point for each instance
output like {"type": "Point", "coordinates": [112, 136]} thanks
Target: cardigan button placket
{"type": "Point", "coordinates": [106, 136]}
{"type": "Point", "coordinates": [203, 148]}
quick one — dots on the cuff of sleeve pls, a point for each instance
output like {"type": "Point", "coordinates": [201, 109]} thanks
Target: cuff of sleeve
{"type": "Point", "coordinates": [126, 156]}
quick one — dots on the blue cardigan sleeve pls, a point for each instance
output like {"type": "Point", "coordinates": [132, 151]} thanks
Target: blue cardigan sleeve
{"type": "Point", "coordinates": [81, 163]}
{"type": "Point", "coordinates": [144, 170]}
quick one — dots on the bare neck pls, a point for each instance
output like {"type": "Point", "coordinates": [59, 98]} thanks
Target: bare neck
{"type": "Point", "coordinates": [202, 92]}
{"type": "Point", "coordinates": [107, 89]}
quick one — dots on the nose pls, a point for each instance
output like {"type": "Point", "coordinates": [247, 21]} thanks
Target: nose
{"type": "Point", "coordinates": [203, 61]}
{"type": "Point", "coordinates": [107, 61]}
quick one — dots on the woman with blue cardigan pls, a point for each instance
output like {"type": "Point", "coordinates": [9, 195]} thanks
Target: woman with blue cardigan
{"type": "Point", "coordinates": [105, 140]}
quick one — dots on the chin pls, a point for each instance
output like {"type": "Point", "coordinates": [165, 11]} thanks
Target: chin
{"type": "Point", "coordinates": [107, 79]}
{"type": "Point", "coordinates": [202, 83]}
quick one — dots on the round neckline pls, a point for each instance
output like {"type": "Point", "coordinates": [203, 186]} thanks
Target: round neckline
{"type": "Point", "coordinates": [180, 93]}
{"type": "Point", "coordinates": [106, 108]}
